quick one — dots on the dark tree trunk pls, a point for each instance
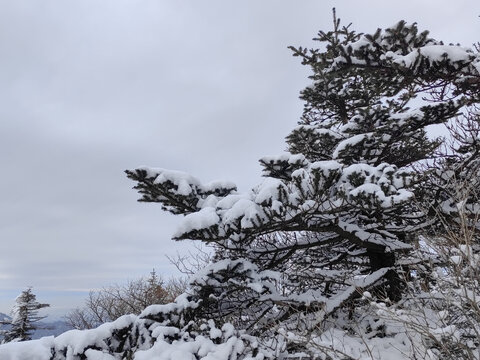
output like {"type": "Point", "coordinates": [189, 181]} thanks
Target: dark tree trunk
{"type": "Point", "coordinates": [394, 285]}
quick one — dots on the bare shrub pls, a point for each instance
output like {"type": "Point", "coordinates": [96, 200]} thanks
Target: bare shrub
{"type": "Point", "coordinates": [111, 302]}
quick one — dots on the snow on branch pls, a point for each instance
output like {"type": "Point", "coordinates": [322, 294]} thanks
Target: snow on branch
{"type": "Point", "coordinates": [177, 191]}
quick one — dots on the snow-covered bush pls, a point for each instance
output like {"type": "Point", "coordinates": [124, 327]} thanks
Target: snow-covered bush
{"type": "Point", "coordinates": [169, 332]}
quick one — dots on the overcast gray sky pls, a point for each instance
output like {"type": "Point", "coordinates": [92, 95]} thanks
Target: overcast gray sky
{"type": "Point", "coordinates": [89, 88]}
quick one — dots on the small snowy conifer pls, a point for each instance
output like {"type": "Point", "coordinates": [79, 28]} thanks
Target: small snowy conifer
{"type": "Point", "coordinates": [24, 317]}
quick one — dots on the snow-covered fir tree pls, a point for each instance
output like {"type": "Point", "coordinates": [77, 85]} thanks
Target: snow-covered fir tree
{"type": "Point", "coordinates": [341, 213]}
{"type": "Point", "coordinates": [24, 317]}
{"type": "Point", "coordinates": [338, 252]}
